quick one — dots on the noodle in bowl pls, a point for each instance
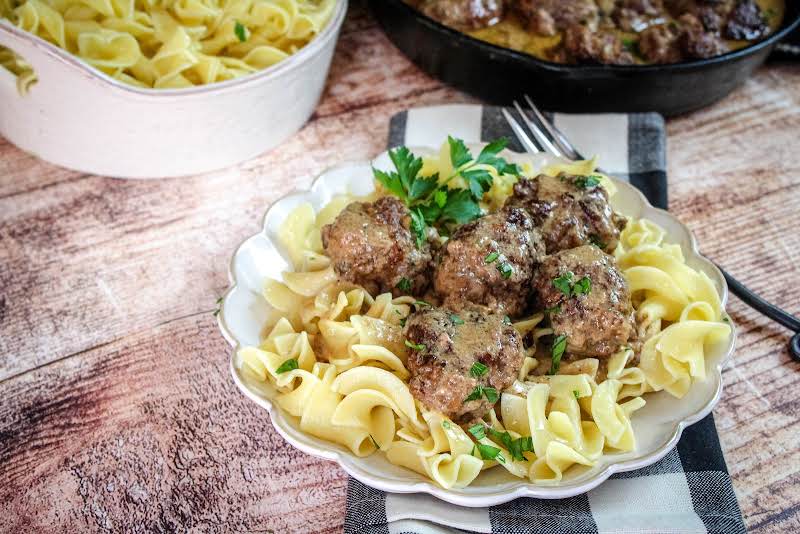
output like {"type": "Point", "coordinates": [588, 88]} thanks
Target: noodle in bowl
{"type": "Point", "coordinates": [149, 132]}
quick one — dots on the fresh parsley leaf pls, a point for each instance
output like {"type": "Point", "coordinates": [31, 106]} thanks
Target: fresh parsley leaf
{"type": "Point", "coordinates": [576, 393]}
{"type": "Point", "coordinates": [501, 459]}
{"type": "Point", "coordinates": [289, 365]}
{"type": "Point", "coordinates": [582, 286]}
{"type": "Point", "coordinates": [507, 320]}
{"type": "Point", "coordinates": [422, 304]}
{"type": "Point", "coordinates": [240, 31]}
{"type": "Point", "coordinates": [459, 153]}
{"type": "Point", "coordinates": [440, 198]}
{"type": "Point", "coordinates": [418, 227]}
{"type": "Point", "coordinates": [407, 165]}
{"type": "Point", "coordinates": [564, 283]}
{"type": "Point", "coordinates": [219, 307]}
{"type": "Point", "coordinates": [491, 257]}
{"type": "Point", "coordinates": [629, 45]}
{"type": "Point", "coordinates": [478, 370]}
{"type": "Point", "coordinates": [446, 424]}
{"type": "Point", "coordinates": [596, 241]}
{"type": "Point", "coordinates": [488, 452]}
{"type": "Point", "coordinates": [489, 153]}
{"type": "Point", "coordinates": [391, 181]}
{"type": "Point", "coordinates": [476, 394]}
{"type": "Point", "coordinates": [478, 181]}
{"type": "Point", "coordinates": [505, 269]}
{"type": "Point", "coordinates": [456, 319]}
{"type": "Point", "coordinates": [552, 310]}
{"type": "Point", "coordinates": [414, 346]}
{"type": "Point", "coordinates": [430, 212]}
{"type": "Point", "coordinates": [587, 182]}
{"type": "Point", "coordinates": [490, 394]}
{"type": "Point", "coordinates": [422, 187]}
{"type": "Point", "coordinates": [404, 285]}
{"type": "Point", "coordinates": [403, 322]}
{"type": "Point", "coordinates": [478, 430]}
{"type": "Point", "coordinates": [461, 207]}
{"type": "Point", "coordinates": [559, 345]}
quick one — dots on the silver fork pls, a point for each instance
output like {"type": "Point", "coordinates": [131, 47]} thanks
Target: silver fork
{"type": "Point", "coordinates": [545, 137]}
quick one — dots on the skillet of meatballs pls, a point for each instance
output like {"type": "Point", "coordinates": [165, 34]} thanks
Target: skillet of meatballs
{"type": "Point", "coordinates": [548, 248]}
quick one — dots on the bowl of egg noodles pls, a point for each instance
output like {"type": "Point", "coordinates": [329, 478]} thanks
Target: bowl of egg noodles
{"type": "Point", "coordinates": [160, 88]}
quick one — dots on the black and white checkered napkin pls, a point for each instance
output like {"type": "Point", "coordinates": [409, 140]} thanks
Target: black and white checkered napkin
{"type": "Point", "coordinates": [688, 491]}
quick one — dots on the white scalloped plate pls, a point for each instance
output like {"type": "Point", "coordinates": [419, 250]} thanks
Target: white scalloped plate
{"type": "Point", "coordinates": [657, 426]}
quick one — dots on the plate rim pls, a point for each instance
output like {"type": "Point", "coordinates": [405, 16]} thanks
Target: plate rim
{"type": "Point", "coordinates": [524, 488]}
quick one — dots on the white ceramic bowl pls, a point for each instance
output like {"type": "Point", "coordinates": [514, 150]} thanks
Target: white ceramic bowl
{"type": "Point", "coordinates": [657, 426]}
{"type": "Point", "coordinates": [77, 117]}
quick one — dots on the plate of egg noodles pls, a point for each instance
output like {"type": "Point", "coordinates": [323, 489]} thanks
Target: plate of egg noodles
{"type": "Point", "coordinates": [476, 324]}
{"type": "Point", "coordinates": [168, 44]}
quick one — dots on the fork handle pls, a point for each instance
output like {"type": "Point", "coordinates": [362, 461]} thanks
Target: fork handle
{"type": "Point", "coordinates": [757, 303]}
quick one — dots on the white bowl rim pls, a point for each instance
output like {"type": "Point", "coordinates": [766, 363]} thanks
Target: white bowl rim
{"type": "Point", "coordinates": [524, 489]}
{"type": "Point", "coordinates": [290, 63]}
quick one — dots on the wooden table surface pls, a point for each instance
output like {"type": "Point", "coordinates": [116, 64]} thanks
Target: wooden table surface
{"type": "Point", "coordinates": [118, 412]}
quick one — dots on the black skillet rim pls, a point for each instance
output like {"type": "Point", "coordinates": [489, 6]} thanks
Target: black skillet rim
{"type": "Point", "coordinates": [785, 29]}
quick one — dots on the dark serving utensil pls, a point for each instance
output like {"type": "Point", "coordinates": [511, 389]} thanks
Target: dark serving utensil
{"type": "Point", "coordinates": [498, 74]}
{"type": "Point", "coordinates": [545, 137]}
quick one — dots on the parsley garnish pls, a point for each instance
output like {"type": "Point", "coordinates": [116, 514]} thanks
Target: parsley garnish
{"type": "Point", "coordinates": [559, 345]}
{"type": "Point", "coordinates": [596, 241]}
{"type": "Point", "coordinates": [587, 182]}
{"type": "Point", "coordinates": [490, 453]}
{"type": "Point", "coordinates": [478, 430]}
{"type": "Point", "coordinates": [491, 257]}
{"type": "Point", "coordinates": [289, 365]}
{"type": "Point", "coordinates": [505, 269]}
{"type": "Point", "coordinates": [507, 320]}
{"type": "Point", "coordinates": [488, 392]}
{"type": "Point", "coordinates": [240, 31]}
{"type": "Point", "coordinates": [414, 346]}
{"type": "Point", "coordinates": [446, 425]}
{"type": "Point", "coordinates": [515, 447]}
{"type": "Point", "coordinates": [404, 284]}
{"type": "Point", "coordinates": [552, 310]}
{"type": "Point", "coordinates": [456, 319]}
{"type": "Point", "coordinates": [569, 288]}
{"type": "Point", "coordinates": [478, 370]}
{"type": "Point", "coordinates": [433, 204]}
{"type": "Point", "coordinates": [421, 304]}
{"type": "Point", "coordinates": [403, 322]}
{"type": "Point", "coordinates": [219, 307]}
{"type": "Point", "coordinates": [576, 393]}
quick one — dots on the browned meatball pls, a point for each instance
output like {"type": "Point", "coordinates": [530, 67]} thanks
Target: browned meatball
{"type": "Point", "coordinates": [464, 15]}
{"type": "Point", "coordinates": [443, 361]}
{"type": "Point", "coordinates": [548, 17]}
{"type": "Point", "coordinates": [370, 245]}
{"type": "Point", "coordinates": [637, 15]}
{"type": "Point", "coordinates": [582, 45]}
{"type": "Point", "coordinates": [569, 211]}
{"type": "Point", "coordinates": [659, 44]}
{"type": "Point", "coordinates": [697, 43]}
{"type": "Point", "coordinates": [597, 317]}
{"type": "Point", "coordinates": [490, 261]}
{"type": "Point", "coordinates": [746, 22]}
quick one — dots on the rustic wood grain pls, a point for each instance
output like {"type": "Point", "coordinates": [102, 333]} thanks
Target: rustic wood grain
{"type": "Point", "coordinates": [118, 413]}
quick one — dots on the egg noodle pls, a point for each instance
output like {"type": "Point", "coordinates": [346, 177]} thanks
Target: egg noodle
{"type": "Point", "coordinates": [334, 358]}
{"type": "Point", "coordinates": [168, 43]}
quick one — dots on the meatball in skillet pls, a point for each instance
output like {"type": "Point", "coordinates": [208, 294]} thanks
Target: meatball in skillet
{"type": "Point", "coordinates": [370, 244]}
{"type": "Point", "coordinates": [596, 316]}
{"type": "Point", "coordinates": [490, 262]}
{"type": "Point", "coordinates": [464, 15]}
{"type": "Point", "coordinates": [452, 354]}
{"type": "Point", "coordinates": [569, 211]}
{"type": "Point", "coordinates": [548, 17]}
{"type": "Point", "coordinates": [582, 45]}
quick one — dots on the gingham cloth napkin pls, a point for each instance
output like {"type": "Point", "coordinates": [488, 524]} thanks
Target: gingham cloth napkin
{"type": "Point", "coordinates": [689, 491]}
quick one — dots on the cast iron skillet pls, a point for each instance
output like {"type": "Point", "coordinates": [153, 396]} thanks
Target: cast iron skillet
{"type": "Point", "coordinates": [499, 75]}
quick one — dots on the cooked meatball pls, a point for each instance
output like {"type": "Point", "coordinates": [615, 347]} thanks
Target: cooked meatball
{"type": "Point", "coordinates": [746, 22]}
{"type": "Point", "coordinates": [548, 17]}
{"type": "Point", "coordinates": [659, 44]}
{"type": "Point", "coordinates": [464, 15]}
{"type": "Point", "coordinates": [582, 45]}
{"type": "Point", "coordinates": [370, 245]}
{"type": "Point", "coordinates": [490, 261]}
{"type": "Point", "coordinates": [447, 346]}
{"type": "Point", "coordinates": [569, 211]}
{"type": "Point", "coordinates": [697, 43]}
{"type": "Point", "coordinates": [636, 15]}
{"type": "Point", "coordinates": [598, 320]}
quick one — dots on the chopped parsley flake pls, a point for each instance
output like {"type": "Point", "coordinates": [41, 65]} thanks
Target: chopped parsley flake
{"type": "Point", "coordinates": [219, 307]}
{"type": "Point", "coordinates": [587, 182]}
{"type": "Point", "coordinates": [478, 430]}
{"type": "Point", "coordinates": [421, 304]}
{"type": "Point", "coordinates": [488, 392]}
{"type": "Point", "coordinates": [403, 322]}
{"type": "Point", "coordinates": [492, 256]}
{"type": "Point", "coordinates": [404, 284]}
{"type": "Point", "coordinates": [289, 365]}
{"type": "Point", "coordinates": [446, 424]}
{"type": "Point", "coordinates": [552, 310]}
{"type": "Point", "coordinates": [488, 452]}
{"type": "Point", "coordinates": [564, 283]}
{"type": "Point", "coordinates": [582, 286]}
{"type": "Point", "coordinates": [240, 31]}
{"type": "Point", "coordinates": [456, 319]}
{"type": "Point", "coordinates": [576, 393]}
{"type": "Point", "coordinates": [505, 269]}
{"type": "Point", "coordinates": [596, 241]}
{"type": "Point", "coordinates": [506, 320]}
{"type": "Point", "coordinates": [478, 370]}
{"type": "Point", "coordinates": [414, 346]}
{"type": "Point", "coordinates": [559, 345]}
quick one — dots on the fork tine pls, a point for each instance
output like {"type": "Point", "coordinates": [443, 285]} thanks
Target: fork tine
{"type": "Point", "coordinates": [537, 133]}
{"type": "Point", "coordinates": [558, 138]}
{"type": "Point", "coordinates": [526, 141]}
